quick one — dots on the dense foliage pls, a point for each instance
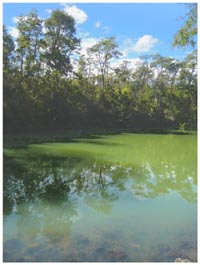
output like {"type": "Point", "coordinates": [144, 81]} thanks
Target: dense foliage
{"type": "Point", "coordinates": [187, 35]}
{"type": "Point", "coordinates": [48, 84]}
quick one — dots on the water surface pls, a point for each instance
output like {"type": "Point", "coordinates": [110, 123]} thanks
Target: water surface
{"type": "Point", "coordinates": [127, 197]}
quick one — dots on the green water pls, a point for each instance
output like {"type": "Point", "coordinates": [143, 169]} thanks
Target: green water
{"type": "Point", "coordinates": [126, 197]}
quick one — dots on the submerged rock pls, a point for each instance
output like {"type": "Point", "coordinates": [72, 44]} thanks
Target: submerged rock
{"type": "Point", "coordinates": [100, 251]}
{"type": "Point", "coordinates": [116, 256]}
{"type": "Point", "coordinates": [13, 244]}
{"type": "Point", "coordinates": [83, 240]}
{"type": "Point", "coordinates": [12, 249]}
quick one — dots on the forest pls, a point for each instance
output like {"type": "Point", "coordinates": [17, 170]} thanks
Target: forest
{"type": "Point", "coordinates": [49, 85]}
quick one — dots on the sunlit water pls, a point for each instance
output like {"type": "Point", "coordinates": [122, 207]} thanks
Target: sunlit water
{"type": "Point", "coordinates": [113, 198]}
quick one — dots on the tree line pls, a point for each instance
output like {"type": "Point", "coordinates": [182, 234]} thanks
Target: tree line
{"type": "Point", "coordinates": [49, 85]}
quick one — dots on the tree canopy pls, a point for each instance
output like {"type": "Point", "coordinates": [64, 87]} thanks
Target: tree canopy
{"type": "Point", "coordinates": [48, 86]}
{"type": "Point", "coordinates": [187, 34]}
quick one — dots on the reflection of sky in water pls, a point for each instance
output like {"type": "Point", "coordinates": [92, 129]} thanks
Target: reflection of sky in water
{"type": "Point", "coordinates": [113, 213]}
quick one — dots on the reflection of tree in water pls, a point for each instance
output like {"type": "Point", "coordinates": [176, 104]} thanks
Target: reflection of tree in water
{"type": "Point", "coordinates": [37, 191]}
{"type": "Point", "coordinates": [55, 180]}
{"type": "Point", "coordinates": [44, 193]}
{"type": "Point", "coordinates": [151, 182]}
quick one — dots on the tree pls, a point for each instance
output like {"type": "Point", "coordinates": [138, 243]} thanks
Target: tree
{"type": "Point", "coordinates": [122, 74]}
{"type": "Point", "coordinates": [29, 43]}
{"type": "Point", "coordinates": [38, 93]}
{"type": "Point", "coordinates": [187, 34]}
{"type": "Point", "coordinates": [187, 86]}
{"type": "Point", "coordinates": [85, 68]}
{"type": "Point", "coordinates": [61, 41]}
{"type": "Point", "coordinates": [103, 52]}
{"type": "Point", "coordinates": [8, 48]}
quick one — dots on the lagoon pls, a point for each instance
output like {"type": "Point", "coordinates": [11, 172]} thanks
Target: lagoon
{"type": "Point", "coordinates": [122, 198]}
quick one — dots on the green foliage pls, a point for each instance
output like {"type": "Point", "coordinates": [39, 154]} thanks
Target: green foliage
{"type": "Point", "coordinates": [43, 91]}
{"type": "Point", "coordinates": [60, 40]}
{"type": "Point", "coordinates": [182, 127]}
{"type": "Point", "coordinates": [104, 51]}
{"type": "Point", "coordinates": [8, 48]}
{"type": "Point", "coordinates": [187, 34]}
{"type": "Point", "coordinates": [29, 43]}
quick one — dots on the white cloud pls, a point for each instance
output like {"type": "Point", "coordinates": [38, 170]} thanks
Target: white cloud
{"type": "Point", "coordinates": [78, 14]}
{"type": "Point", "coordinates": [13, 31]}
{"type": "Point", "coordinates": [104, 29]}
{"type": "Point", "coordinates": [87, 43]}
{"type": "Point", "coordinates": [82, 35]}
{"type": "Point", "coordinates": [97, 24]}
{"type": "Point", "coordinates": [126, 47]}
{"type": "Point", "coordinates": [49, 11]}
{"type": "Point", "coordinates": [145, 43]}
{"type": "Point", "coordinates": [15, 19]}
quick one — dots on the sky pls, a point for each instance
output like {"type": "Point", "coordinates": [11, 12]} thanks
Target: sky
{"type": "Point", "coordinates": [139, 28]}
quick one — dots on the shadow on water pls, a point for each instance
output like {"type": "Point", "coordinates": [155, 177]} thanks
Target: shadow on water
{"type": "Point", "coordinates": [96, 142]}
{"type": "Point", "coordinates": [44, 193]}
{"type": "Point", "coordinates": [19, 143]}
{"type": "Point", "coordinates": [22, 140]}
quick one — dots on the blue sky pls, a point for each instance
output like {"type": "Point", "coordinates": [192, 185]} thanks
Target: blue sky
{"type": "Point", "coordinates": [139, 28]}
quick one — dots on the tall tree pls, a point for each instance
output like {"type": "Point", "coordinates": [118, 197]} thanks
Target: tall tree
{"type": "Point", "coordinates": [122, 74]}
{"type": "Point", "coordinates": [8, 48]}
{"type": "Point", "coordinates": [30, 42]}
{"type": "Point", "coordinates": [104, 51]}
{"type": "Point", "coordinates": [61, 41]}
